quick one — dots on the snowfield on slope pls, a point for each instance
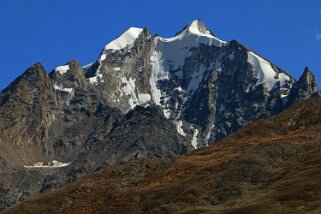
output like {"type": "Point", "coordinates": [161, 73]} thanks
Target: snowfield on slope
{"type": "Point", "coordinates": [265, 73]}
{"type": "Point", "coordinates": [126, 39]}
{"type": "Point", "coordinates": [51, 164]}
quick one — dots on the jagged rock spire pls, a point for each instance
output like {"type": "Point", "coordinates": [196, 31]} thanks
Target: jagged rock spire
{"type": "Point", "coordinates": [305, 88]}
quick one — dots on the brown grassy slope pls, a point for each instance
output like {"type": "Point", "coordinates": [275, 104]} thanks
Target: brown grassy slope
{"type": "Point", "coordinates": [270, 166]}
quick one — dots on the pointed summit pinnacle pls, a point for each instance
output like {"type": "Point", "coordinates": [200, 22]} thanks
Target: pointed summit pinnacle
{"type": "Point", "coordinates": [305, 88]}
{"type": "Point", "coordinates": [197, 27]}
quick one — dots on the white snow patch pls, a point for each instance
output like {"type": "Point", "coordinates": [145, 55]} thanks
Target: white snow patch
{"type": "Point", "coordinates": [62, 69]}
{"type": "Point", "coordinates": [158, 73]}
{"type": "Point", "coordinates": [176, 105]}
{"type": "Point", "coordinates": [263, 70]}
{"type": "Point", "coordinates": [51, 164]}
{"type": "Point", "coordinates": [265, 73]}
{"type": "Point", "coordinates": [126, 39]}
{"type": "Point", "coordinates": [179, 128]}
{"type": "Point", "coordinates": [179, 89]}
{"type": "Point", "coordinates": [167, 113]}
{"type": "Point", "coordinates": [94, 80]}
{"type": "Point", "coordinates": [283, 78]}
{"type": "Point", "coordinates": [194, 139]}
{"type": "Point", "coordinates": [102, 57]}
{"type": "Point", "coordinates": [60, 88]}
{"type": "Point", "coordinates": [143, 98]}
{"type": "Point", "coordinates": [208, 136]}
{"type": "Point", "coordinates": [116, 69]}
{"type": "Point", "coordinates": [130, 90]}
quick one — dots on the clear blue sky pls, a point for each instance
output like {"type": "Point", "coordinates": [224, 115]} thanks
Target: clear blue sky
{"type": "Point", "coordinates": [287, 32]}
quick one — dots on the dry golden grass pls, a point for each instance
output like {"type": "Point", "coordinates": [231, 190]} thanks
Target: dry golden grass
{"type": "Point", "coordinates": [270, 166]}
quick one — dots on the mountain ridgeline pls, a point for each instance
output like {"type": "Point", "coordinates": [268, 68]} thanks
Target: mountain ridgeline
{"type": "Point", "coordinates": [144, 96]}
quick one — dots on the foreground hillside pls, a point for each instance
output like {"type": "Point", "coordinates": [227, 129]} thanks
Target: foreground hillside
{"type": "Point", "coordinates": [270, 166]}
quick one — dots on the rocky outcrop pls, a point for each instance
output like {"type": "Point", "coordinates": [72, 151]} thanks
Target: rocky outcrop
{"type": "Point", "coordinates": [305, 88]}
{"type": "Point", "coordinates": [61, 117]}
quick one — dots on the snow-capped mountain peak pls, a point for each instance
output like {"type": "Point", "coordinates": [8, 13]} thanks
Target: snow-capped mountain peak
{"type": "Point", "coordinates": [194, 77]}
{"type": "Point", "coordinates": [197, 27]}
{"type": "Point", "coordinates": [126, 39]}
{"type": "Point", "coordinates": [124, 42]}
{"type": "Point", "coordinates": [194, 34]}
{"type": "Point", "coordinates": [144, 96]}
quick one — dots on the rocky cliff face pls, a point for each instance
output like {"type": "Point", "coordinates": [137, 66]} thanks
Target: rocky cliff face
{"type": "Point", "coordinates": [55, 129]}
{"type": "Point", "coordinates": [207, 87]}
{"type": "Point", "coordinates": [144, 96]}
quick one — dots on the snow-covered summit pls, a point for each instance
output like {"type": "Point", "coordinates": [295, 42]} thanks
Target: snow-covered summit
{"type": "Point", "coordinates": [197, 27]}
{"type": "Point", "coordinates": [196, 32]}
{"type": "Point", "coordinates": [126, 39]}
{"type": "Point", "coordinates": [170, 55]}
